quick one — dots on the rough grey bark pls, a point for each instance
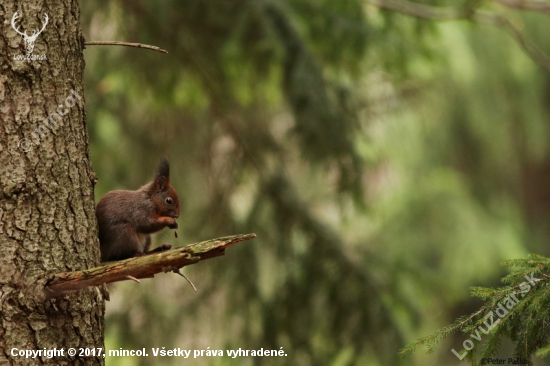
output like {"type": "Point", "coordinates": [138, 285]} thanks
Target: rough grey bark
{"type": "Point", "coordinates": [47, 220]}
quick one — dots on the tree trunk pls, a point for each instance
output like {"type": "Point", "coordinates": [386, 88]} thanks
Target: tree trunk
{"type": "Point", "coordinates": [47, 219]}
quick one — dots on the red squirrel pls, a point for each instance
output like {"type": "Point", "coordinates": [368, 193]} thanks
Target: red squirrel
{"type": "Point", "coordinates": [127, 218]}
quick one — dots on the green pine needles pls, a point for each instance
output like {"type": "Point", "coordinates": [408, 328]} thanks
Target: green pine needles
{"type": "Point", "coordinates": [518, 311]}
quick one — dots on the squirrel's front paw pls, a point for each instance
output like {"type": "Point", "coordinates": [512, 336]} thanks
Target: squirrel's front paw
{"type": "Point", "coordinates": [173, 224]}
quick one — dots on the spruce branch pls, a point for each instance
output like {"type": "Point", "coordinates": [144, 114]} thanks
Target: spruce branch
{"type": "Point", "coordinates": [519, 310]}
{"type": "Point", "coordinates": [543, 352]}
{"type": "Point", "coordinates": [431, 341]}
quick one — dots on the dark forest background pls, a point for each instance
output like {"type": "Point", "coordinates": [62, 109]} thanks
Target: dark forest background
{"type": "Point", "coordinates": [387, 162]}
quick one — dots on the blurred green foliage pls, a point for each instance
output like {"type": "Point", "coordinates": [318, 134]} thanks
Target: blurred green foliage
{"type": "Point", "coordinates": [387, 164]}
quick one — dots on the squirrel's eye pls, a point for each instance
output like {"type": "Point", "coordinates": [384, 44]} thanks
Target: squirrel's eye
{"type": "Point", "coordinates": [169, 201]}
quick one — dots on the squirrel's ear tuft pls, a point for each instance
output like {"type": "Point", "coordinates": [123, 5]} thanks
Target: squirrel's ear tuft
{"type": "Point", "coordinates": [164, 168]}
{"type": "Point", "coordinates": [162, 179]}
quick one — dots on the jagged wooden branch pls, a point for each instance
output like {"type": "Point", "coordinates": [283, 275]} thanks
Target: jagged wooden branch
{"type": "Point", "coordinates": [144, 267]}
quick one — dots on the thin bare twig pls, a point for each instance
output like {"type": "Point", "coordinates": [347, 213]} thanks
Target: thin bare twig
{"type": "Point", "coordinates": [188, 280]}
{"type": "Point", "coordinates": [133, 279]}
{"type": "Point", "coordinates": [127, 44]}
